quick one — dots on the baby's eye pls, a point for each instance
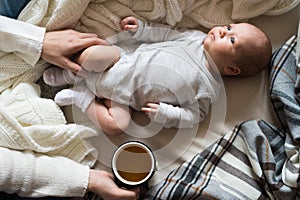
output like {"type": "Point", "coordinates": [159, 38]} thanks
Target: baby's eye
{"type": "Point", "coordinates": [232, 40]}
{"type": "Point", "coordinates": [228, 28]}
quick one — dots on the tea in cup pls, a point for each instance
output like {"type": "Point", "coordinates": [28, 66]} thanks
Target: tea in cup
{"type": "Point", "coordinates": [133, 164]}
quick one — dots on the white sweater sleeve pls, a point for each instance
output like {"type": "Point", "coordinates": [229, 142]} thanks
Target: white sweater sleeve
{"type": "Point", "coordinates": [21, 38]}
{"type": "Point", "coordinates": [35, 175]}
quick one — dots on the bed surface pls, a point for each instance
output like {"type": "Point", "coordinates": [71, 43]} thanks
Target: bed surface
{"type": "Point", "coordinates": [242, 99]}
{"type": "Point", "coordinates": [265, 162]}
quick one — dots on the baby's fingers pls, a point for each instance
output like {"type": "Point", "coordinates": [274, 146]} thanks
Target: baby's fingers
{"type": "Point", "coordinates": [129, 23]}
{"type": "Point", "coordinates": [130, 27]}
{"type": "Point", "coordinates": [151, 109]}
{"type": "Point", "coordinates": [149, 112]}
{"type": "Point", "coordinates": [153, 105]}
{"type": "Point", "coordinates": [146, 109]}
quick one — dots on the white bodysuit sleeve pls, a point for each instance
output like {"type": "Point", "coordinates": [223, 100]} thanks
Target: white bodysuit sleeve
{"type": "Point", "coordinates": [182, 117]}
{"type": "Point", "coordinates": [21, 38]}
{"type": "Point", "coordinates": [155, 33]}
{"type": "Point", "coordinates": [35, 175]}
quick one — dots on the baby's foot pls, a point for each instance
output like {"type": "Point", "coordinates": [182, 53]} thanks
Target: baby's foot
{"type": "Point", "coordinates": [56, 76]}
{"type": "Point", "coordinates": [81, 96]}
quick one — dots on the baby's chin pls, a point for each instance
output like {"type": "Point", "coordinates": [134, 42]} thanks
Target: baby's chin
{"type": "Point", "coordinates": [206, 42]}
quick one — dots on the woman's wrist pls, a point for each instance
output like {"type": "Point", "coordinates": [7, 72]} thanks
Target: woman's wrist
{"type": "Point", "coordinates": [91, 183]}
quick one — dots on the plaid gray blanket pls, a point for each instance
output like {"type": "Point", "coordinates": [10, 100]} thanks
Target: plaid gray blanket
{"type": "Point", "coordinates": [255, 160]}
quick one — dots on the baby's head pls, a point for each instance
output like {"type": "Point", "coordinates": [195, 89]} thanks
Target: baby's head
{"type": "Point", "coordinates": [238, 49]}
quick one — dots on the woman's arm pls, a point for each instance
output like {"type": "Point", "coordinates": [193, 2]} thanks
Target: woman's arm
{"type": "Point", "coordinates": [30, 174]}
{"type": "Point", "coordinates": [35, 175]}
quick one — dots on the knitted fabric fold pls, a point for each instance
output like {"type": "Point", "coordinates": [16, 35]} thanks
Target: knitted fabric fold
{"type": "Point", "coordinates": [29, 122]}
{"type": "Point", "coordinates": [51, 14]}
{"type": "Point", "coordinates": [103, 17]}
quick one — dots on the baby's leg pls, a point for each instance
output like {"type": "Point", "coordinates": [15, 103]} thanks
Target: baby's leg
{"type": "Point", "coordinates": [99, 57]}
{"type": "Point", "coordinates": [111, 117]}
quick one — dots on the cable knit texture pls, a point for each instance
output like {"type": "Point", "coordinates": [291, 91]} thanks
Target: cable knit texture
{"type": "Point", "coordinates": [29, 122]}
{"type": "Point", "coordinates": [103, 17]}
{"type": "Point", "coordinates": [36, 175]}
{"type": "Point", "coordinates": [26, 122]}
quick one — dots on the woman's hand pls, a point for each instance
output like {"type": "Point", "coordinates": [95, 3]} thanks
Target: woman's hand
{"type": "Point", "coordinates": [102, 183]}
{"type": "Point", "coordinates": [59, 46]}
{"type": "Point", "coordinates": [129, 24]}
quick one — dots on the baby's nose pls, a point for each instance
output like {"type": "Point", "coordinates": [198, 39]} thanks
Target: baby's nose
{"type": "Point", "coordinates": [222, 33]}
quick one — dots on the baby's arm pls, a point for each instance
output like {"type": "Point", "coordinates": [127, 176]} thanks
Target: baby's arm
{"type": "Point", "coordinates": [175, 116]}
{"type": "Point", "coordinates": [146, 32]}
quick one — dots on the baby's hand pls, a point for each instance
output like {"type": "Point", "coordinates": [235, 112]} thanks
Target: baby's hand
{"type": "Point", "coordinates": [151, 109]}
{"type": "Point", "coordinates": [129, 23]}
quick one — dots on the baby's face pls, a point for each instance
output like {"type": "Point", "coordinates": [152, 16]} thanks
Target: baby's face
{"type": "Point", "coordinates": [225, 44]}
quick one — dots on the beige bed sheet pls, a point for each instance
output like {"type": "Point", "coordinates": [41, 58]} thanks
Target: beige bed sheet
{"type": "Point", "coordinates": [242, 99]}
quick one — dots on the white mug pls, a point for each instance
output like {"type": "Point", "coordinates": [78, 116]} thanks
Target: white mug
{"type": "Point", "coordinates": [133, 164]}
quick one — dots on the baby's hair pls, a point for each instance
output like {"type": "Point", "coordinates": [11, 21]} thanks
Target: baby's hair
{"type": "Point", "coordinates": [257, 56]}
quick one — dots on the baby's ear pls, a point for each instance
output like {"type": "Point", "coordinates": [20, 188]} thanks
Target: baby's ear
{"type": "Point", "coordinates": [232, 71]}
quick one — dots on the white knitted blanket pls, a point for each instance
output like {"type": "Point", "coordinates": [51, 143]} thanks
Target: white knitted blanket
{"type": "Point", "coordinates": [26, 123]}
{"type": "Point", "coordinates": [103, 17]}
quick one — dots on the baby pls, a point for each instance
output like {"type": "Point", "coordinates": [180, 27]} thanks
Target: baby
{"type": "Point", "coordinates": [171, 76]}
